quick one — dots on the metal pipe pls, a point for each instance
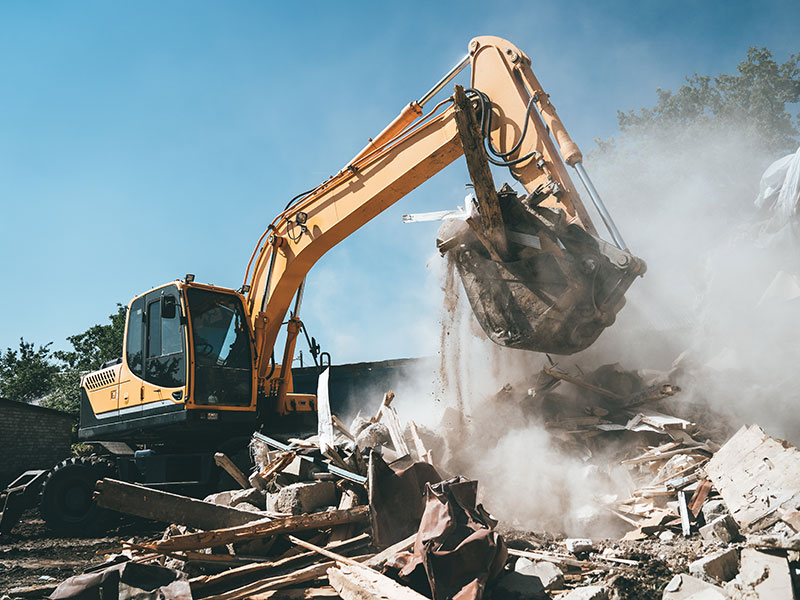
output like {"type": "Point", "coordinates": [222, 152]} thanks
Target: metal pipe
{"type": "Point", "coordinates": [444, 81]}
{"type": "Point", "coordinates": [601, 208]}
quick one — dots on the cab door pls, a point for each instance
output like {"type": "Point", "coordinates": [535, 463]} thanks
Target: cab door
{"type": "Point", "coordinates": [165, 351]}
{"type": "Point", "coordinates": [131, 383]}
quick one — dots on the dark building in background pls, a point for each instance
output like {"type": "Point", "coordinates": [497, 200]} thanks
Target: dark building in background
{"type": "Point", "coordinates": [360, 386]}
{"type": "Point", "coordinates": [31, 437]}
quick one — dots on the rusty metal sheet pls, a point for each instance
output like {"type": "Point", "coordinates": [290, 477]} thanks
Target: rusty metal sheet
{"type": "Point", "coordinates": [457, 552]}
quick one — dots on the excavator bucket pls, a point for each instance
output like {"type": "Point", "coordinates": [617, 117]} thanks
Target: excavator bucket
{"type": "Point", "coordinates": [559, 290]}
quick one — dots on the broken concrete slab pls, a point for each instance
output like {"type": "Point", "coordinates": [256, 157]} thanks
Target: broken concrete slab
{"type": "Point", "coordinates": [722, 529]}
{"type": "Point", "coordinates": [373, 435]}
{"type": "Point", "coordinates": [579, 545]}
{"type": "Point", "coordinates": [713, 509]}
{"type": "Point", "coordinates": [763, 576]}
{"type": "Point", "coordinates": [686, 587]}
{"type": "Point", "coordinates": [520, 586]}
{"type": "Point", "coordinates": [304, 497]}
{"type": "Point", "coordinates": [757, 476]}
{"type": "Point", "coordinates": [591, 592]}
{"type": "Point", "coordinates": [221, 498]}
{"type": "Point", "coordinates": [250, 496]}
{"type": "Point", "coordinates": [720, 566]}
{"type": "Point", "coordinates": [549, 574]}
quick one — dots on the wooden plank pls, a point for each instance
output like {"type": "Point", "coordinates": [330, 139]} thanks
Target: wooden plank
{"type": "Point", "coordinates": [354, 583]}
{"type": "Point", "coordinates": [273, 583]}
{"type": "Point", "coordinates": [422, 452]}
{"type": "Point", "coordinates": [377, 561]}
{"type": "Point", "coordinates": [699, 497]}
{"type": "Point", "coordinates": [258, 529]}
{"type": "Point", "coordinates": [337, 422]}
{"type": "Point", "coordinates": [392, 422]}
{"type": "Point", "coordinates": [325, 592]}
{"type": "Point", "coordinates": [581, 383]}
{"type": "Point", "coordinates": [353, 579]}
{"type": "Point", "coordinates": [387, 400]}
{"type": "Point", "coordinates": [349, 499]}
{"type": "Point", "coordinates": [560, 560]}
{"type": "Point", "coordinates": [490, 229]}
{"type": "Point", "coordinates": [651, 457]}
{"type": "Point", "coordinates": [229, 577]}
{"type": "Point", "coordinates": [223, 462]}
{"type": "Point", "coordinates": [683, 509]}
{"type": "Point", "coordinates": [142, 501]}
{"type": "Point", "coordinates": [283, 460]}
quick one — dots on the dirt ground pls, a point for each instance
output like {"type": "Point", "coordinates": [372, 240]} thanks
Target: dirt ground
{"type": "Point", "coordinates": [33, 556]}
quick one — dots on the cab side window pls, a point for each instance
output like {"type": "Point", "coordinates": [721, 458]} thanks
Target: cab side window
{"type": "Point", "coordinates": [165, 364]}
{"type": "Point", "coordinates": [133, 347]}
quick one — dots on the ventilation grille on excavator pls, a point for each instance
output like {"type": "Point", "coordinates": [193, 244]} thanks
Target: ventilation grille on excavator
{"type": "Point", "coordinates": [100, 379]}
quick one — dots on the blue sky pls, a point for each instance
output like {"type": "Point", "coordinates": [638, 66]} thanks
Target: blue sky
{"type": "Point", "coordinates": [143, 140]}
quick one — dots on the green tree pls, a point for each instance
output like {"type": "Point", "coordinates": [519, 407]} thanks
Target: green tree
{"type": "Point", "coordinates": [757, 97]}
{"type": "Point", "coordinates": [26, 374]}
{"type": "Point", "coordinates": [90, 349]}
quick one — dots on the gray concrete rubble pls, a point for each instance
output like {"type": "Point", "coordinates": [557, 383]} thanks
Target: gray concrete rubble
{"type": "Point", "coordinates": [719, 567]}
{"type": "Point", "coordinates": [549, 574]}
{"type": "Point", "coordinates": [686, 587]}
{"type": "Point", "coordinates": [300, 498]}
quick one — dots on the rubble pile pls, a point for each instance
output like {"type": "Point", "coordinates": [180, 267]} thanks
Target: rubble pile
{"type": "Point", "coordinates": [363, 512]}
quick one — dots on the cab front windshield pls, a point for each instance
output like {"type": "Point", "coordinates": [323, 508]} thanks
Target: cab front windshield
{"type": "Point", "coordinates": [222, 352]}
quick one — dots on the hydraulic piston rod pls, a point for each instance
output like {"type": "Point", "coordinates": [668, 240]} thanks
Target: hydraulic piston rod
{"type": "Point", "coordinates": [444, 81]}
{"type": "Point", "coordinates": [601, 208]}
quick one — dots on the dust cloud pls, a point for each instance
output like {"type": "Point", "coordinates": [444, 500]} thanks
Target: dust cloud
{"type": "Point", "coordinates": [683, 200]}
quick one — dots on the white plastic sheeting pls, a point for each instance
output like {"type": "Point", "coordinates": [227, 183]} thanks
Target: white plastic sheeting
{"type": "Point", "coordinates": [779, 191]}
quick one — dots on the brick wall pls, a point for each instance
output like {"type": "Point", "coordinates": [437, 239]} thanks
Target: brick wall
{"type": "Point", "coordinates": [31, 437]}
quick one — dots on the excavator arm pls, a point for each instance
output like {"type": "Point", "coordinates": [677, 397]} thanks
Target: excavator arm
{"type": "Point", "coordinates": [507, 281]}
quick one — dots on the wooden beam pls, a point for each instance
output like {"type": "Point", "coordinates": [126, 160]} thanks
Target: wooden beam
{"type": "Point", "coordinates": [258, 529]}
{"type": "Point", "coordinates": [377, 561]}
{"type": "Point", "coordinates": [223, 462]}
{"type": "Point", "coordinates": [357, 583]}
{"type": "Point", "coordinates": [146, 502]}
{"type": "Point", "coordinates": [231, 576]}
{"type": "Point", "coordinates": [490, 228]}
{"type": "Point", "coordinates": [422, 452]}
{"type": "Point", "coordinates": [392, 422]}
{"type": "Point", "coordinates": [274, 583]}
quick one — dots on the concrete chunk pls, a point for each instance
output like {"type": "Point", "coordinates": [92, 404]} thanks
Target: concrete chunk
{"type": "Point", "coordinates": [250, 496]}
{"type": "Point", "coordinates": [686, 587]}
{"type": "Point", "coordinates": [763, 577]}
{"type": "Point", "coordinates": [304, 497]}
{"type": "Point", "coordinates": [720, 566]}
{"type": "Point", "coordinates": [221, 498]}
{"type": "Point", "coordinates": [550, 575]}
{"type": "Point", "coordinates": [713, 509]}
{"type": "Point", "coordinates": [521, 587]}
{"type": "Point", "coordinates": [591, 592]}
{"type": "Point", "coordinates": [579, 545]}
{"type": "Point", "coordinates": [722, 529]}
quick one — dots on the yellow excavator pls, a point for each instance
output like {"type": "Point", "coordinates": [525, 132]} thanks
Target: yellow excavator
{"type": "Point", "coordinates": [199, 371]}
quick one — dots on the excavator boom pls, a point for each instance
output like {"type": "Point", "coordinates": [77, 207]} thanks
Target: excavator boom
{"type": "Point", "coordinates": [535, 272]}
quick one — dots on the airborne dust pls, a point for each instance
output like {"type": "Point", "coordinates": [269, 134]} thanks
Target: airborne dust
{"type": "Point", "coordinates": [702, 314]}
